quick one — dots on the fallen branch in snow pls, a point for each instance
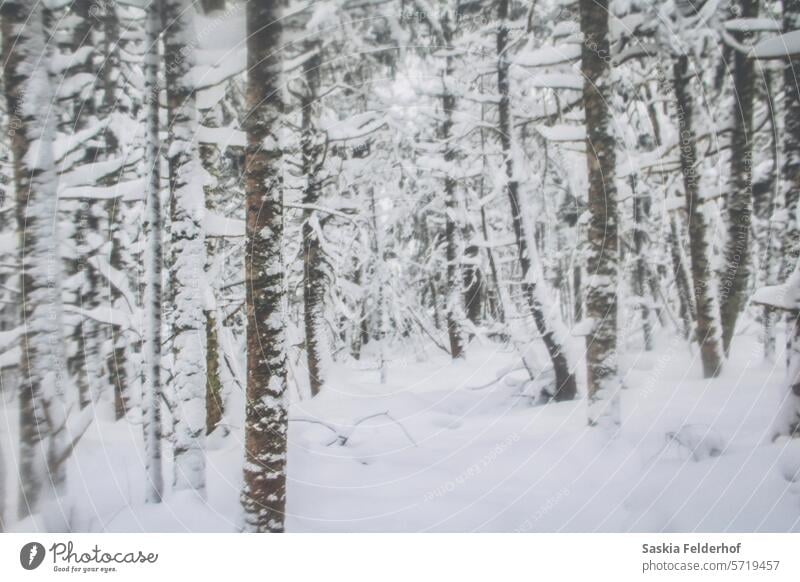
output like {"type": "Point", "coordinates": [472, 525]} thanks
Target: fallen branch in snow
{"type": "Point", "coordinates": [342, 439]}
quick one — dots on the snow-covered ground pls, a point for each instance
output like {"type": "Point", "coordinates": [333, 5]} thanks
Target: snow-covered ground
{"type": "Point", "coordinates": [427, 452]}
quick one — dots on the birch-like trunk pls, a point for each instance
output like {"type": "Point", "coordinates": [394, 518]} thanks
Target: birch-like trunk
{"type": "Point", "coordinates": [705, 291]}
{"type": "Point", "coordinates": [187, 253]}
{"type": "Point", "coordinates": [153, 259]}
{"type": "Point", "coordinates": [266, 419]}
{"type": "Point", "coordinates": [43, 376]}
{"type": "Point", "coordinates": [603, 380]}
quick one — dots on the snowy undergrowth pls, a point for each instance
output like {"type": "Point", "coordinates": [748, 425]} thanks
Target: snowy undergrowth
{"type": "Point", "coordinates": [428, 452]}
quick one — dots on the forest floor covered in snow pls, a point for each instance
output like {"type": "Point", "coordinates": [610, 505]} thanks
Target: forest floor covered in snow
{"type": "Point", "coordinates": [427, 451]}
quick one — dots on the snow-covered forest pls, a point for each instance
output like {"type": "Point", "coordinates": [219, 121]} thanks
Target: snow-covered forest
{"type": "Point", "coordinates": [400, 265]}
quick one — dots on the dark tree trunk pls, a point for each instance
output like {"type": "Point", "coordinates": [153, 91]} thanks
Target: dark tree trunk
{"type": "Point", "coordinates": [565, 388]}
{"type": "Point", "coordinates": [688, 313]}
{"type": "Point", "coordinates": [707, 328]}
{"type": "Point", "coordinates": [641, 215]}
{"type": "Point", "coordinates": [736, 270]}
{"type": "Point", "coordinates": [473, 286]}
{"type": "Point", "coordinates": [313, 271]}
{"type": "Point", "coordinates": [266, 418]}
{"type": "Point", "coordinates": [603, 381]}
{"type": "Point", "coordinates": [454, 305]}
{"type": "Point", "coordinates": [790, 172]}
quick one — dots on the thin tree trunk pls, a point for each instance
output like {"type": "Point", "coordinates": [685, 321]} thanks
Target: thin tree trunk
{"type": "Point", "coordinates": [313, 272]}
{"type": "Point", "coordinates": [87, 362]}
{"type": "Point", "coordinates": [473, 285]}
{"type": "Point", "coordinates": [603, 381]}
{"type": "Point", "coordinates": [117, 360]}
{"type": "Point", "coordinates": [683, 287]}
{"type": "Point", "coordinates": [152, 391]}
{"type": "Point", "coordinates": [455, 299]}
{"type": "Point", "coordinates": [736, 271]}
{"type": "Point", "coordinates": [705, 293]}
{"type": "Point", "coordinates": [266, 420]}
{"type": "Point", "coordinates": [565, 388]}
{"type": "Point", "coordinates": [641, 215]}
{"type": "Point", "coordinates": [187, 253]}
{"type": "Point", "coordinates": [215, 406]}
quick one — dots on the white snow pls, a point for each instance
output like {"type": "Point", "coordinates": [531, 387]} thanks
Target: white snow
{"type": "Point", "coordinates": [777, 47]}
{"type": "Point", "coordinates": [691, 455]}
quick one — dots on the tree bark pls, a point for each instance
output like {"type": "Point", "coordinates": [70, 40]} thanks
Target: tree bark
{"type": "Point", "coordinates": [736, 271]}
{"type": "Point", "coordinates": [42, 403]}
{"type": "Point", "coordinates": [565, 388]}
{"type": "Point", "coordinates": [153, 259]}
{"type": "Point", "coordinates": [705, 294]}
{"type": "Point", "coordinates": [313, 271]}
{"type": "Point", "coordinates": [187, 253]}
{"type": "Point", "coordinates": [603, 381]}
{"type": "Point", "coordinates": [455, 299]}
{"type": "Point", "coordinates": [790, 171]}
{"type": "Point", "coordinates": [266, 420]}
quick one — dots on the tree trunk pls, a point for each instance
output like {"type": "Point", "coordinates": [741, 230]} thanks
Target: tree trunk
{"type": "Point", "coordinates": [683, 287]}
{"type": "Point", "coordinates": [153, 258]}
{"type": "Point", "coordinates": [117, 359]}
{"type": "Point", "coordinates": [455, 299]}
{"type": "Point", "coordinates": [736, 271]}
{"type": "Point", "coordinates": [187, 253]}
{"type": "Point", "coordinates": [603, 381]}
{"type": "Point", "coordinates": [313, 271]}
{"type": "Point", "coordinates": [565, 388]}
{"type": "Point", "coordinates": [790, 171]}
{"type": "Point", "coordinates": [87, 362]}
{"type": "Point", "coordinates": [42, 404]}
{"type": "Point", "coordinates": [473, 285]}
{"type": "Point", "coordinates": [266, 421]}
{"type": "Point", "coordinates": [641, 216]}
{"type": "Point", "coordinates": [705, 293]}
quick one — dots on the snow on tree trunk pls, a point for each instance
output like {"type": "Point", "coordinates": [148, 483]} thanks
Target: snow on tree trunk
{"type": "Point", "coordinates": [43, 378]}
{"type": "Point", "coordinates": [455, 298]}
{"type": "Point", "coordinates": [565, 386]}
{"type": "Point", "coordinates": [313, 150]}
{"type": "Point", "coordinates": [187, 253]}
{"type": "Point", "coordinates": [682, 284]}
{"type": "Point", "coordinates": [117, 360]}
{"type": "Point", "coordinates": [786, 297]}
{"type": "Point", "coordinates": [736, 269]}
{"type": "Point", "coordinates": [152, 392]}
{"type": "Point", "coordinates": [705, 291]}
{"type": "Point", "coordinates": [3, 472]}
{"type": "Point", "coordinates": [211, 156]}
{"type": "Point", "coordinates": [641, 218]}
{"type": "Point", "coordinates": [266, 420]}
{"type": "Point", "coordinates": [603, 381]}
{"type": "Point", "coordinates": [790, 172]}
{"type": "Point", "coordinates": [87, 364]}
